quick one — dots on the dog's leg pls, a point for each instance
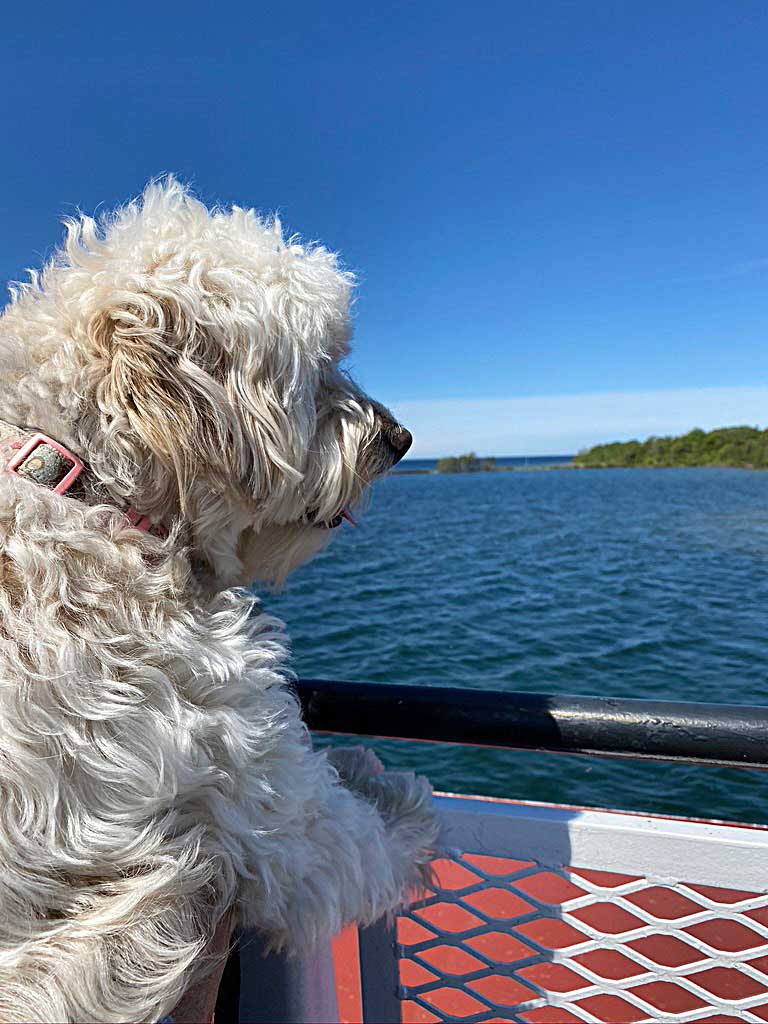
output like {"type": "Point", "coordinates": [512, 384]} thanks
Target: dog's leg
{"type": "Point", "coordinates": [398, 796]}
{"type": "Point", "coordinates": [356, 858]}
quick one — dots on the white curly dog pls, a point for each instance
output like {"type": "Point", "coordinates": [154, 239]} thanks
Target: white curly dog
{"type": "Point", "coordinates": [174, 425]}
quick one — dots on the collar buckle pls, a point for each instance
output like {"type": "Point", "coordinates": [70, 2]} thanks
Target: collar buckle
{"type": "Point", "coordinates": [44, 461]}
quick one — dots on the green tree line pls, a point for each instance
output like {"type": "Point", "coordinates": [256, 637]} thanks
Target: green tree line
{"type": "Point", "coordinates": [469, 463]}
{"type": "Point", "coordinates": [746, 447]}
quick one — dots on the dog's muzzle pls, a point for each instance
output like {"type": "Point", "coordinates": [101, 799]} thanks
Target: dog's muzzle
{"type": "Point", "coordinates": [390, 444]}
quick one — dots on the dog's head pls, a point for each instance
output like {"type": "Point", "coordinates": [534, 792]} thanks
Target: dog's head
{"type": "Point", "coordinates": [205, 349]}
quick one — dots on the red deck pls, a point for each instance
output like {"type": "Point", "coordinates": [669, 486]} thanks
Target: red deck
{"type": "Point", "coordinates": [669, 949]}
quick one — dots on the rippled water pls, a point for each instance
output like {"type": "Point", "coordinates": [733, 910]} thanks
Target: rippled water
{"type": "Point", "coordinates": [630, 583]}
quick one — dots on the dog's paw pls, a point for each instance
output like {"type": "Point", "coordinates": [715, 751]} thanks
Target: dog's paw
{"type": "Point", "coordinates": [404, 801]}
{"type": "Point", "coordinates": [356, 766]}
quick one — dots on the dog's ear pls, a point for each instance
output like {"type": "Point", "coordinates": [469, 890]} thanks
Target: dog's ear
{"type": "Point", "coordinates": [177, 404]}
{"type": "Point", "coordinates": [164, 411]}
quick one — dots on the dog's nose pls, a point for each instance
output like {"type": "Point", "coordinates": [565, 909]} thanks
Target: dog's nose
{"type": "Point", "coordinates": [400, 440]}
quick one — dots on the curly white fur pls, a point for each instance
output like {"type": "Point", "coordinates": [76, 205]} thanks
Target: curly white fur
{"type": "Point", "coordinates": [154, 769]}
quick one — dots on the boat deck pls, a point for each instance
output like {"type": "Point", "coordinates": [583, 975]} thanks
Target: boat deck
{"type": "Point", "coordinates": [546, 914]}
{"type": "Point", "coordinates": [529, 939]}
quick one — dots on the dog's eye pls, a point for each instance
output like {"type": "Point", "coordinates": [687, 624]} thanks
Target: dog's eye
{"type": "Point", "coordinates": [310, 517]}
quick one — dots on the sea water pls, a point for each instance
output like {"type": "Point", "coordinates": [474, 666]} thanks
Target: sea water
{"type": "Point", "coordinates": [645, 583]}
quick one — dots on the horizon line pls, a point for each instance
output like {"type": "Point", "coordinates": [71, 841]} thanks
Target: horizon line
{"type": "Point", "coordinates": [543, 425]}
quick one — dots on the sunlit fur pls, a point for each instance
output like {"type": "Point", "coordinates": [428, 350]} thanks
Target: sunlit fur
{"type": "Point", "coordinates": [153, 766]}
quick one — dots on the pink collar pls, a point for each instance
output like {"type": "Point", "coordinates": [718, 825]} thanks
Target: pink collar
{"type": "Point", "coordinates": [36, 457]}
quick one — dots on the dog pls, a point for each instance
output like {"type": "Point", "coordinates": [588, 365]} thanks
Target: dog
{"type": "Point", "coordinates": [175, 426]}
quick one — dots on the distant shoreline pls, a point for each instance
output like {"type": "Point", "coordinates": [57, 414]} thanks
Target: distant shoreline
{"type": "Point", "coordinates": [736, 447]}
{"type": "Point", "coordinates": [724, 448]}
{"type": "Point", "coordinates": [570, 465]}
{"type": "Point", "coordinates": [495, 469]}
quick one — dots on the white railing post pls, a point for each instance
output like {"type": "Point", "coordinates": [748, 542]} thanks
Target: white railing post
{"type": "Point", "coordinates": [277, 989]}
{"type": "Point", "coordinates": [379, 974]}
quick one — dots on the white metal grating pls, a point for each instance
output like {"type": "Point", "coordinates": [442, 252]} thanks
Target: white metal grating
{"type": "Point", "coordinates": [547, 916]}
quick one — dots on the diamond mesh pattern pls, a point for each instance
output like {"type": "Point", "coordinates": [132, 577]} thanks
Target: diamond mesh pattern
{"type": "Point", "coordinates": [507, 940]}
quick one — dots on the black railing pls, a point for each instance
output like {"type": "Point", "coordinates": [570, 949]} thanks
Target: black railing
{"type": "Point", "coordinates": [723, 734]}
{"type": "Point", "coordinates": [720, 734]}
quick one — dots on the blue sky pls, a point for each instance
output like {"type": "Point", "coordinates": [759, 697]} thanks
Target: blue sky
{"type": "Point", "coordinates": [545, 202]}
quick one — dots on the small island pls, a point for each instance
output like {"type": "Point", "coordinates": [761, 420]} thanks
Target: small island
{"type": "Point", "coordinates": [472, 463]}
{"type": "Point", "coordinates": [468, 463]}
{"type": "Point", "coordinates": [741, 447]}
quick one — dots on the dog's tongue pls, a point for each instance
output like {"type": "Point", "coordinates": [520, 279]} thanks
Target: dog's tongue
{"type": "Point", "coordinates": [346, 514]}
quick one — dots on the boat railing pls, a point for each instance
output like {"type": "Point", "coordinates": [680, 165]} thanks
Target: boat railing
{"type": "Point", "coordinates": [539, 913]}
